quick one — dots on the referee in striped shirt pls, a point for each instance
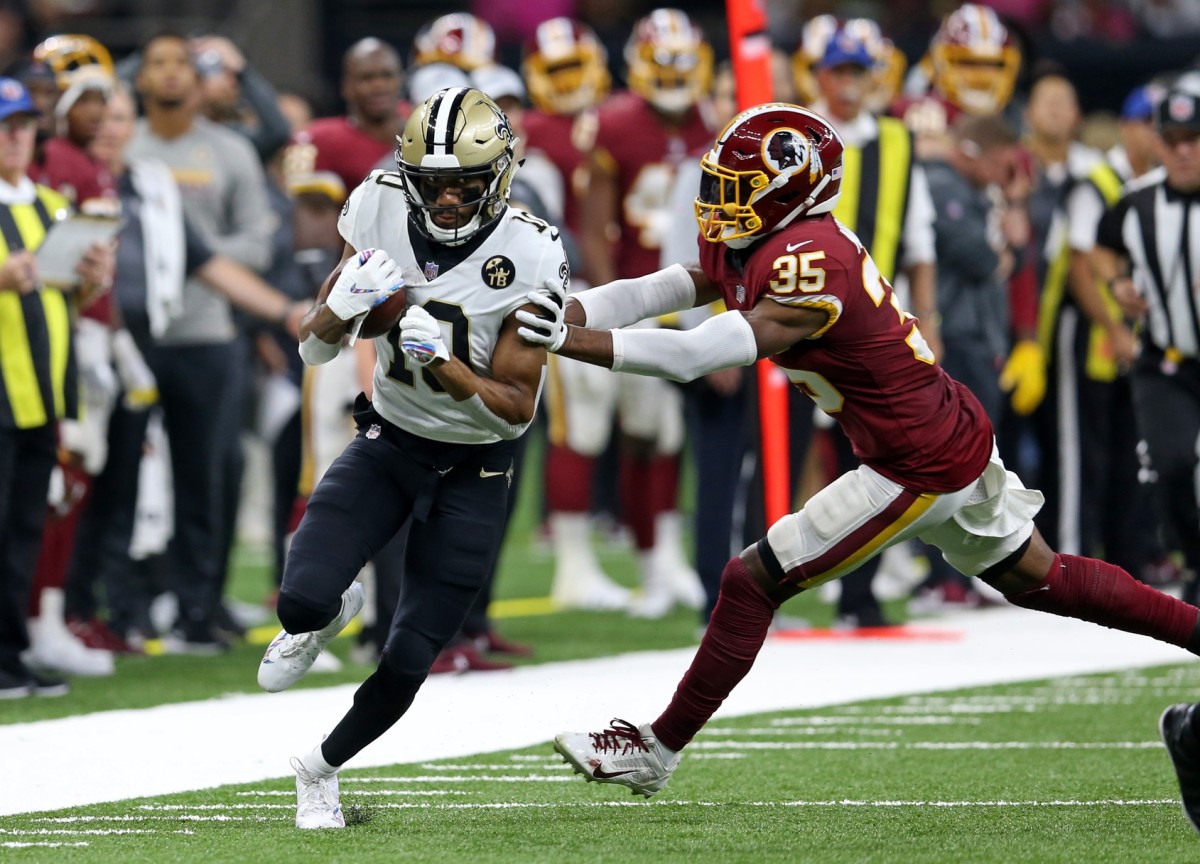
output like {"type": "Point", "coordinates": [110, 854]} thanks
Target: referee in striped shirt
{"type": "Point", "coordinates": [1153, 234]}
{"type": "Point", "coordinates": [37, 376]}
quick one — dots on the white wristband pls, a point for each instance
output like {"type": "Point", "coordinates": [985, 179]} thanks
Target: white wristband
{"type": "Point", "coordinates": [627, 301]}
{"type": "Point", "coordinates": [315, 351]}
{"type": "Point", "coordinates": [482, 414]}
{"type": "Point", "coordinates": [722, 342]}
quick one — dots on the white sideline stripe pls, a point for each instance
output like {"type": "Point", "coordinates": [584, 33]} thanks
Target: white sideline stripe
{"type": "Point", "coordinates": [41, 832]}
{"type": "Point", "coordinates": [926, 745]}
{"type": "Point", "coordinates": [420, 793]}
{"type": "Point", "coordinates": [578, 805]}
{"type": "Point", "coordinates": [115, 755]}
{"type": "Point", "coordinates": [15, 844]}
{"type": "Point", "coordinates": [571, 805]}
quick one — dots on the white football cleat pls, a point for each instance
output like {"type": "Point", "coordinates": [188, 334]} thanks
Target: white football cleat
{"type": "Point", "coordinates": [317, 799]}
{"type": "Point", "coordinates": [290, 655]}
{"type": "Point", "coordinates": [622, 753]}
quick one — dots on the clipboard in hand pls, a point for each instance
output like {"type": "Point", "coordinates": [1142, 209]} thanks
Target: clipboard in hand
{"type": "Point", "coordinates": [65, 244]}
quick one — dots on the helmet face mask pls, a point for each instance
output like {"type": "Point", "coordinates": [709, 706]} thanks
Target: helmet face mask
{"type": "Point", "coordinates": [670, 64]}
{"type": "Point", "coordinates": [773, 164]}
{"type": "Point", "coordinates": [565, 67]}
{"type": "Point", "coordinates": [456, 145]}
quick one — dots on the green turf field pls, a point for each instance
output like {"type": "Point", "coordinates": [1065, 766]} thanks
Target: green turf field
{"type": "Point", "coordinates": [1068, 770]}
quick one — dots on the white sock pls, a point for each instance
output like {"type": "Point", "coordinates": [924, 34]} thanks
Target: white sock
{"type": "Point", "coordinates": [314, 763]}
{"type": "Point", "coordinates": [572, 538]}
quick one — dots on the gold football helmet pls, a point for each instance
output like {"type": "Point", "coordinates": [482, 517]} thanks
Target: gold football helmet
{"type": "Point", "coordinates": [565, 67]}
{"type": "Point", "coordinates": [974, 60]}
{"type": "Point", "coordinates": [73, 55]}
{"type": "Point", "coordinates": [670, 63]}
{"type": "Point", "coordinates": [456, 134]}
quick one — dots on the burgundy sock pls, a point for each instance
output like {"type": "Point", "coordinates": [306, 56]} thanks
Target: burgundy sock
{"type": "Point", "coordinates": [664, 484]}
{"type": "Point", "coordinates": [735, 633]}
{"type": "Point", "coordinates": [568, 480]}
{"type": "Point", "coordinates": [637, 504]}
{"type": "Point", "coordinates": [1104, 594]}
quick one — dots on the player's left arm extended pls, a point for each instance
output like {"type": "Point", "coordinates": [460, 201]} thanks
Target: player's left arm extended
{"type": "Point", "coordinates": [722, 342]}
{"type": "Point", "coordinates": [504, 403]}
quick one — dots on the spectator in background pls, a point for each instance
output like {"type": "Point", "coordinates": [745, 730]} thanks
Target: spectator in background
{"type": "Point", "coordinates": [642, 137]}
{"type": "Point", "coordinates": [38, 390]}
{"type": "Point", "coordinates": [237, 96]}
{"type": "Point", "coordinates": [158, 248]}
{"type": "Point", "coordinates": [224, 194]}
{"type": "Point", "coordinates": [83, 77]}
{"type": "Point", "coordinates": [566, 70]}
{"type": "Point", "coordinates": [1089, 407]}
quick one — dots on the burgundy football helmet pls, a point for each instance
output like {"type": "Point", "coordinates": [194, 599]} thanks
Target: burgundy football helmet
{"type": "Point", "coordinates": [773, 164]}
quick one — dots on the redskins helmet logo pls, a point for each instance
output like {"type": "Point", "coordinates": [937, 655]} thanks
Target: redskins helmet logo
{"type": "Point", "coordinates": [789, 150]}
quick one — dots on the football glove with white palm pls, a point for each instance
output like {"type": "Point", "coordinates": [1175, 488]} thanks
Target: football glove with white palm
{"type": "Point", "coordinates": [366, 281]}
{"type": "Point", "coordinates": [548, 327]}
{"type": "Point", "coordinates": [421, 337]}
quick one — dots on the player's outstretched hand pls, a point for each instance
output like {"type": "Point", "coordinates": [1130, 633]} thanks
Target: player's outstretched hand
{"type": "Point", "coordinates": [366, 280]}
{"type": "Point", "coordinates": [547, 327]}
{"type": "Point", "coordinates": [421, 337]}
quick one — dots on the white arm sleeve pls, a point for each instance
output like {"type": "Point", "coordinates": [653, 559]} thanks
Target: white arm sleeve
{"type": "Point", "coordinates": [721, 342]}
{"type": "Point", "coordinates": [627, 301]}
{"type": "Point", "coordinates": [314, 351]}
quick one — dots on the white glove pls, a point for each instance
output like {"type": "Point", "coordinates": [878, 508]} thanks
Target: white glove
{"type": "Point", "coordinates": [367, 280]}
{"type": "Point", "coordinates": [548, 327]}
{"type": "Point", "coordinates": [138, 382]}
{"type": "Point", "coordinates": [421, 337]}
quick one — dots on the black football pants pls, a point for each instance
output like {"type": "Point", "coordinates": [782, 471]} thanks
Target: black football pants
{"type": "Point", "coordinates": [457, 496]}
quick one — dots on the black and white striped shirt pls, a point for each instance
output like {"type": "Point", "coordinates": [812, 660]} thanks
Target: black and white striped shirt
{"type": "Point", "coordinates": [1158, 229]}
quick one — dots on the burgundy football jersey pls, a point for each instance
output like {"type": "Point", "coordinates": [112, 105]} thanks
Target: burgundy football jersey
{"type": "Point", "coordinates": [644, 154]}
{"type": "Point", "coordinates": [331, 157]}
{"type": "Point", "coordinates": [868, 367]}
{"type": "Point", "coordinates": [74, 173]}
{"type": "Point", "coordinates": [565, 141]}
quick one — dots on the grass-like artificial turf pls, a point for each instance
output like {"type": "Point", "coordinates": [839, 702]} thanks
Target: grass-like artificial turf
{"type": "Point", "coordinates": [1067, 770]}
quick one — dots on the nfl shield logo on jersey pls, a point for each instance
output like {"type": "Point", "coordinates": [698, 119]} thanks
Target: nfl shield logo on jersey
{"type": "Point", "coordinates": [374, 431]}
{"type": "Point", "coordinates": [431, 270]}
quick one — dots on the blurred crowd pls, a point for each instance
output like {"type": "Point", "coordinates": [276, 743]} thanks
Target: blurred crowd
{"type": "Point", "coordinates": [972, 176]}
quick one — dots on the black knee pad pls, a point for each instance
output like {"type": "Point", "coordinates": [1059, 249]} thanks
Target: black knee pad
{"type": "Point", "coordinates": [407, 656]}
{"type": "Point", "coordinates": [296, 616]}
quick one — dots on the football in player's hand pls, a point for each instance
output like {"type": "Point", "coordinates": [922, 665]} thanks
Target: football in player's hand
{"type": "Point", "coordinates": [381, 318]}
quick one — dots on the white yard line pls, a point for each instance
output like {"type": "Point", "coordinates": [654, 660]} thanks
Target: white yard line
{"type": "Point", "coordinates": [114, 755]}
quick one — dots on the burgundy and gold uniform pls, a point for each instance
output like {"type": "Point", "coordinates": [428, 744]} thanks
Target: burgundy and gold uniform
{"type": "Point", "coordinates": [637, 149]}
{"type": "Point", "coordinates": [331, 157]}
{"type": "Point", "coordinates": [869, 367]}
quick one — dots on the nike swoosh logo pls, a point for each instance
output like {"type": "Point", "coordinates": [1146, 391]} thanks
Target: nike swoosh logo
{"type": "Point", "coordinates": [484, 473]}
{"type": "Point", "coordinates": [791, 247]}
{"type": "Point", "coordinates": [601, 774]}
{"type": "Point", "coordinates": [354, 289]}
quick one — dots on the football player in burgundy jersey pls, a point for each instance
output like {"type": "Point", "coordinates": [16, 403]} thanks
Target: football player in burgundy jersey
{"type": "Point", "coordinates": [642, 136]}
{"type": "Point", "coordinates": [802, 292]}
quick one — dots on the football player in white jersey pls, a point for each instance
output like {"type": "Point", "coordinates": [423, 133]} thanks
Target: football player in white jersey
{"type": "Point", "coordinates": [454, 386]}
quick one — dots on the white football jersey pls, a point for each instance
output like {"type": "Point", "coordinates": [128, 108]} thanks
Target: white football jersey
{"type": "Point", "coordinates": [470, 300]}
